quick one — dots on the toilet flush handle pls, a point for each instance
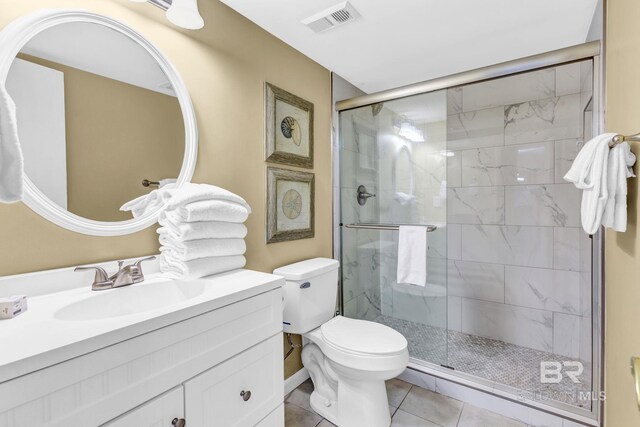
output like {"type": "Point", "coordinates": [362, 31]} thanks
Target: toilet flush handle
{"type": "Point", "coordinates": [305, 285]}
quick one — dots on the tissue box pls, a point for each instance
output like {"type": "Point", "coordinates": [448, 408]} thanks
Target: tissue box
{"type": "Point", "coordinates": [12, 306]}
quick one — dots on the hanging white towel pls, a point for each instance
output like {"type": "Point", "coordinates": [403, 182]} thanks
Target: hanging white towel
{"type": "Point", "coordinates": [621, 159]}
{"type": "Point", "coordinates": [412, 255]}
{"type": "Point", "coordinates": [11, 160]}
{"type": "Point", "coordinates": [176, 268]}
{"type": "Point", "coordinates": [589, 174]}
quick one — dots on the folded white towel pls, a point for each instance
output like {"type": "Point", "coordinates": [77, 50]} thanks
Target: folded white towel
{"type": "Point", "coordinates": [412, 255]}
{"type": "Point", "coordinates": [11, 160]}
{"type": "Point", "coordinates": [172, 197]}
{"type": "Point", "coordinates": [201, 230]}
{"type": "Point", "coordinates": [208, 210]}
{"type": "Point", "coordinates": [621, 159]}
{"type": "Point", "coordinates": [174, 268]}
{"type": "Point", "coordinates": [203, 248]}
{"type": "Point", "coordinates": [589, 173]}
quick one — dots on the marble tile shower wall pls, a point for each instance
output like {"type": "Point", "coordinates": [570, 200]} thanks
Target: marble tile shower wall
{"type": "Point", "coordinates": [512, 255]}
{"type": "Point", "coordinates": [370, 257]}
{"type": "Point", "coordinates": [361, 249]}
{"type": "Point", "coordinates": [518, 262]}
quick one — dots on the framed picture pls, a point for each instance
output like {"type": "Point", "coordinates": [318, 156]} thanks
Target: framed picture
{"type": "Point", "coordinates": [290, 205]}
{"type": "Point", "coordinates": [289, 128]}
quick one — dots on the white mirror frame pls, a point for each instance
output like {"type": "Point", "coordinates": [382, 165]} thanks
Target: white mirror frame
{"type": "Point", "coordinates": [15, 36]}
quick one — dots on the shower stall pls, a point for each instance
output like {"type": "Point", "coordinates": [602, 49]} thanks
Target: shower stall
{"type": "Point", "coordinates": [512, 280]}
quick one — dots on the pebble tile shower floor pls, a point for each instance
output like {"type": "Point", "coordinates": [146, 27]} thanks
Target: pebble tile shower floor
{"type": "Point", "coordinates": [508, 364]}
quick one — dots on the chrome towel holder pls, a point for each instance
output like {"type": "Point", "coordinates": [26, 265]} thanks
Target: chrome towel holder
{"type": "Point", "coordinates": [619, 139]}
{"type": "Point", "coordinates": [388, 227]}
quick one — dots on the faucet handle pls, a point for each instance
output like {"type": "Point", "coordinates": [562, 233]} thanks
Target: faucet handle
{"type": "Point", "coordinates": [101, 280]}
{"type": "Point", "coordinates": [139, 276]}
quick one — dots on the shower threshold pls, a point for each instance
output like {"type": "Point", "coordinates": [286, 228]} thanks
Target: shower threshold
{"type": "Point", "coordinates": [492, 360]}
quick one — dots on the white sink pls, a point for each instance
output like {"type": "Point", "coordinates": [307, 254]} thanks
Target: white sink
{"type": "Point", "coordinates": [128, 300]}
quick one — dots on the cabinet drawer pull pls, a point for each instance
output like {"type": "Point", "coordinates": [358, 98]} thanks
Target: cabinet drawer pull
{"type": "Point", "coordinates": [179, 422]}
{"type": "Point", "coordinates": [246, 395]}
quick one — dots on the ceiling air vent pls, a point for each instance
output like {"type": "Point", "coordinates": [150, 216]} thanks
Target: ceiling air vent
{"type": "Point", "coordinates": [336, 15]}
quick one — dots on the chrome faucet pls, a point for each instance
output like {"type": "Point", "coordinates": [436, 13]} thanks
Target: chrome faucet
{"type": "Point", "coordinates": [126, 275]}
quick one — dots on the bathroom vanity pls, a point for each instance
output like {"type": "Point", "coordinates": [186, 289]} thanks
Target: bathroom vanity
{"type": "Point", "coordinates": [205, 352]}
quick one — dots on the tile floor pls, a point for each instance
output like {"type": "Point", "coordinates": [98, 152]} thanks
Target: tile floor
{"type": "Point", "coordinates": [410, 406]}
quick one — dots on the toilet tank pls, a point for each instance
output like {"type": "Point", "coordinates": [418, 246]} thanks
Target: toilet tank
{"type": "Point", "coordinates": [310, 293]}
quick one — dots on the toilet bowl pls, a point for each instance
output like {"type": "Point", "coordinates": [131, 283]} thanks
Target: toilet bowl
{"type": "Point", "coordinates": [348, 360]}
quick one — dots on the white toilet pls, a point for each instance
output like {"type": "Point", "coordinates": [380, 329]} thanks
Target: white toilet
{"type": "Point", "coordinates": [348, 360]}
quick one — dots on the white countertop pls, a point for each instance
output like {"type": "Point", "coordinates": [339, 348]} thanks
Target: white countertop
{"type": "Point", "coordinates": [37, 339]}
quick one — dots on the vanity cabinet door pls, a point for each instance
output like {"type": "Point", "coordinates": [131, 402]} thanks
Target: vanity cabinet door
{"type": "Point", "coordinates": [274, 419]}
{"type": "Point", "coordinates": [159, 412]}
{"type": "Point", "coordinates": [239, 392]}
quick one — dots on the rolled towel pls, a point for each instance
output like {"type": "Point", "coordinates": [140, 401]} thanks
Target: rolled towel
{"type": "Point", "coordinates": [11, 160]}
{"type": "Point", "coordinates": [201, 230]}
{"type": "Point", "coordinates": [208, 210]}
{"type": "Point", "coordinates": [194, 249]}
{"type": "Point", "coordinates": [171, 197]}
{"type": "Point", "coordinates": [174, 268]}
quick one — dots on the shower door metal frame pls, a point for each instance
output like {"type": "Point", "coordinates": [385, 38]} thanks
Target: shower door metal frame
{"type": "Point", "coordinates": [585, 51]}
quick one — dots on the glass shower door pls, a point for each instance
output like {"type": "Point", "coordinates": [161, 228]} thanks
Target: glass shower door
{"type": "Point", "coordinates": [393, 165]}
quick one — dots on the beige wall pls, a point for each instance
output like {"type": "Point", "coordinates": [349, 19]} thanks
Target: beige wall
{"type": "Point", "coordinates": [117, 135]}
{"type": "Point", "coordinates": [224, 66]}
{"type": "Point", "coordinates": [622, 265]}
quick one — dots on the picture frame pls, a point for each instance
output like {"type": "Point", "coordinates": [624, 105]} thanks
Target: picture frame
{"type": "Point", "coordinates": [288, 128]}
{"type": "Point", "coordinates": [290, 205]}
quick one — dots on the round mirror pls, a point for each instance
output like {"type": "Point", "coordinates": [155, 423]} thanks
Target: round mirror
{"type": "Point", "coordinates": [100, 111]}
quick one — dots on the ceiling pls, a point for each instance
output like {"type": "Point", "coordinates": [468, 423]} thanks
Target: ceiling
{"type": "Point", "coordinates": [400, 42]}
{"type": "Point", "coordinates": [119, 57]}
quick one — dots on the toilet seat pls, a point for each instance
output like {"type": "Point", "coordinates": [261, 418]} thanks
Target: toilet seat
{"type": "Point", "coordinates": [362, 337]}
{"type": "Point", "coordinates": [361, 345]}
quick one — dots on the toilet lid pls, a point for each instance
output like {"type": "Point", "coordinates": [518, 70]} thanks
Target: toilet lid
{"type": "Point", "coordinates": [363, 336]}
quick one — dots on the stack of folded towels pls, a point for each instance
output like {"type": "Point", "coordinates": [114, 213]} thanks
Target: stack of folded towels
{"type": "Point", "coordinates": [202, 230]}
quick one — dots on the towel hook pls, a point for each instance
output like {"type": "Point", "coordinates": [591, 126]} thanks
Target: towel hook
{"type": "Point", "coordinates": [147, 183]}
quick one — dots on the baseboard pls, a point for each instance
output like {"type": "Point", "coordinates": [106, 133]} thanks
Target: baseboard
{"type": "Point", "coordinates": [465, 391]}
{"type": "Point", "coordinates": [295, 380]}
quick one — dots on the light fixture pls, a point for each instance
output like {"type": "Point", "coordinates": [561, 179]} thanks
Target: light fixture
{"type": "Point", "coordinates": [183, 13]}
{"type": "Point", "coordinates": [408, 130]}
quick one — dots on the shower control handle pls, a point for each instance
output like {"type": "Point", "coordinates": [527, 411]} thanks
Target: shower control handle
{"type": "Point", "coordinates": [363, 195]}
